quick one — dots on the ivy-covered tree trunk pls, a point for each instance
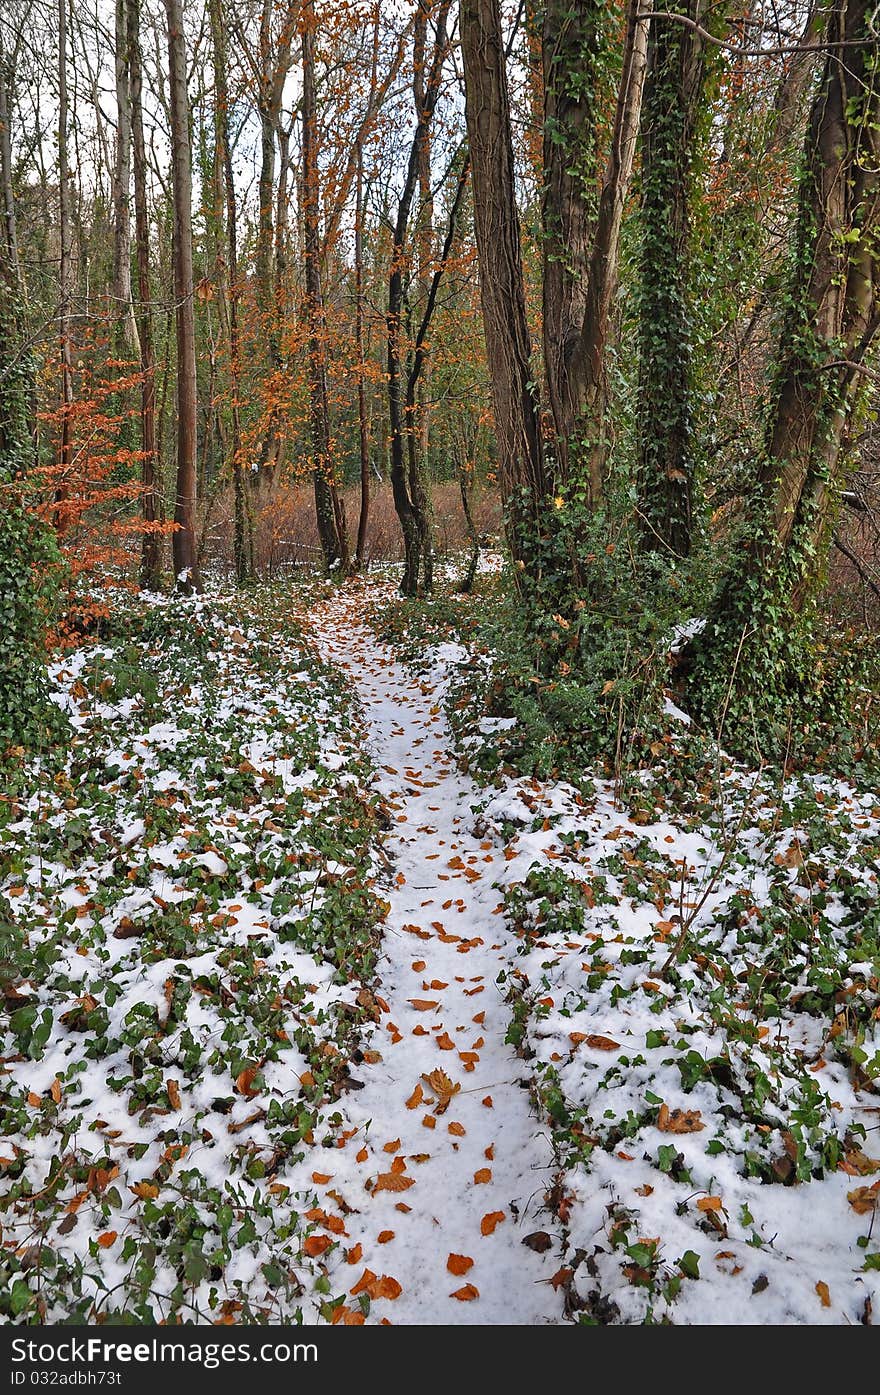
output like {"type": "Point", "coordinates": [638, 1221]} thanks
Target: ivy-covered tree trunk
{"type": "Point", "coordinates": [831, 321]}
{"type": "Point", "coordinates": [28, 554]}
{"type": "Point", "coordinates": [588, 164]}
{"type": "Point", "coordinates": [669, 124]}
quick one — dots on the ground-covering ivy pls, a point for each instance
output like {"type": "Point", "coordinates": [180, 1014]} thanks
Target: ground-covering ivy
{"type": "Point", "coordinates": [188, 928]}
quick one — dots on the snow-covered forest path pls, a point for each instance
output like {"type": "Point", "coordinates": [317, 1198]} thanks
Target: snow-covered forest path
{"type": "Point", "coordinates": [462, 1161]}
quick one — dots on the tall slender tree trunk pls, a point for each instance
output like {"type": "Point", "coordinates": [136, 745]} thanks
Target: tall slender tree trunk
{"type": "Point", "coordinates": [65, 451]}
{"type": "Point", "coordinates": [363, 425]}
{"type": "Point", "coordinates": [525, 478]}
{"type": "Point", "coordinates": [670, 115]}
{"type": "Point", "coordinates": [123, 309]}
{"type": "Point", "coordinates": [10, 221]}
{"type": "Point", "coordinates": [266, 187]}
{"type": "Point", "coordinates": [151, 546]}
{"type": "Point", "coordinates": [241, 549]}
{"type": "Point", "coordinates": [409, 501]}
{"type": "Point", "coordinates": [328, 503]}
{"type": "Point", "coordinates": [418, 408]}
{"type": "Point", "coordinates": [186, 568]}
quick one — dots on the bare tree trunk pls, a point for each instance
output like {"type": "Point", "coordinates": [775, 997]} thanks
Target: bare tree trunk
{"type": "Point", "coordinates": [184, 551]}
{"type": "Point", "coordinates": [420, 361]}
{"type": "Point", "coordinates": [328, 504]}
{"type": "Point", "coordinates": [791, 94]}
{"type": "Point", "coordinates": [265, 232]}
{"type": "Point", "coordinates": [151, 548]}
{"type": "Point", "coordinates": [272, 69]}
{"type": "Point", "coordinates": [363, 428]}
{"type": "Point", "coordinates": [410, 504]}
{"type": "Point", "coordinates": [465, 485]}
{"type": "Point", "coordinates": [65, 452]}
{"type": "Point", "coordinates": [508, 344]}
{"type": "Point", "coordinates": [126, 326]}
{"type": "Point", "coordinates": [241, 549]}
{"type": "Point", "coordinates": [424, 240]}
{"type": "Point", "coordinates": [10, 226]}
{"type": "Point", "coordinates": [418, 397]}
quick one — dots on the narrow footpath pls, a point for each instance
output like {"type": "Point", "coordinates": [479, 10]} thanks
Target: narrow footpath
{"type": "Point", "coordinates": [454, 1167]}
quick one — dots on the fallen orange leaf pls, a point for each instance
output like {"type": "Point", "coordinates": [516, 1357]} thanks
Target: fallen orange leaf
{"type": "Point", "coordinates": [483, 1174]}
{"type": "Point", "coordinates": [864, 1199]}
{"type": "Point", "coordinates": [490, 1221]}
{"type": "Point", "coordinates": [466, 1294]}
{"type": "Point", "coordinates": [392, 1182]}
{"type": "Point", "coordinates": [371, 1284]}
{"type": "Point", "coordinates": [347, 1317]}
{"type": "Point", "coordinates": [244, 1082]}
{"type": "Point", "coordinates": [459, 1264]}
{"type": "Point", "coordinates": [443, 1088]}
{"type": "Point", "coordinates": [315, 1245]}
{"type": "Point", "coordinates": [679, 1120]}
{"type": "Point", "coordinates": [145, 1191]}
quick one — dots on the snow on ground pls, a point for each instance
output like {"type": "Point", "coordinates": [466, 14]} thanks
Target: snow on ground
{"type": "Point", "coordinates": [186, 928]}
{"type": "Point", "coordinates": [446, 1177]}
{"type": "Point", "coordinates": [697, 994]}
{"type": "Point", "coordinates": [538, 1057]}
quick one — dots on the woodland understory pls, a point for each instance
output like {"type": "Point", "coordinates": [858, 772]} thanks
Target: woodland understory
{"type": "Point", "coordinates": [439, 581]}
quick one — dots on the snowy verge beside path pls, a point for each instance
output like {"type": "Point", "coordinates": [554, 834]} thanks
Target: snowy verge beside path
{"type": "Point", "coordinates": [697, 995]}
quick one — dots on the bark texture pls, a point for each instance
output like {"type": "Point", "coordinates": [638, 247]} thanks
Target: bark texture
{"type": "Point", "coordinates": [522, 468]}
{"type": "Point", "coordinates": [151, 551]}
{"type": "Point", "coordinates": [585, 194]}
{"type": "Point", "coordinates": [669, 120]}
{"type": "Point", "coordinates": [186, 567]}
